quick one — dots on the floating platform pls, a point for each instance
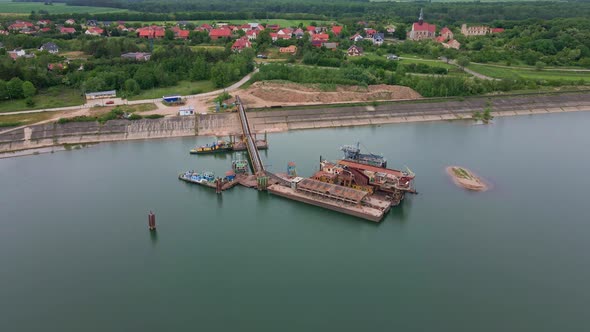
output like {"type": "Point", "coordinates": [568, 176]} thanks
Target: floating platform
{"type": "Point", "coordinates": [333, 197]}
{"type": "Point", "coordinates": [211, 184]}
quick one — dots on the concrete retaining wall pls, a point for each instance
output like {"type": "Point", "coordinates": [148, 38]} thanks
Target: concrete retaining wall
{"type": "Point", "coordinates": [43, 135]}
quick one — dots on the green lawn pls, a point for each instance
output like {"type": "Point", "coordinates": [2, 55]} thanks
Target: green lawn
{"type": "Point", "coordinates": [182, 88]}
{"type": "Point", "coordinates": [15, 120]}
{"type": "Point", "coordinates": [6, 6]}
{"type": "Point", "coordinates": [50, 98]}
{"type": "Point", "coordinates": [499, 72]}
{"type": "Point", "coordinates": [432, 63]}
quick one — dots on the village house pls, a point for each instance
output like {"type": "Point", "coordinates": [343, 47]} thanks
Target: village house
{"type": "Point", "coordinates": [452, 44]}
{"type": "Point", "coordinates": [422, 30]}
{"type": "Point", "coordinates": [299, 33]}
{"type": "Point", "coordinates": [64, 30]}
{"type": "Point", "coordinates": [480, 30]}
{"type": "Point", "coordinates": [378, 38]}
{"type": "Point", "coordinates": [180, 33]}
{"type": "Point", "coordinates": [370, 32]}
{"type": "Point", "coordinates": [273, 27]}
{"type": "Point", "coordinates": [55, 66]}
{"type": "Point", "coordinates": [241, 44]}
{"type": "Point", "coordinates": [16, 53]}
{"type": "Point", "coordinates": [252, 34]}
{"type": "Point", "coordinates": [356, 37]}
{"type": "Point", "coordinates": [330, 45]}
{"type": "Point", "coordinates": [91, 23]}
{"type": "Point", "coordinates": [290, 49]}
{"type": "Point", "coordinates": [285, 33]}
{"type": "Point", "coordinates": [49, 47]}
{"type": "Point", "coordinates": [70, 21]}
{"type": "Point", "coordinates": [20, 26]}
{"type": "Point", "coordinates": [45, 30]}
{"type": "Point", "coordinates": [122, 27]}
{"type": "Point", "coordinates": [4, 33]}
{"type": "Point", "coordinates": [94, 31]}
{"type": "Point", "coordinates": [336, 29]}
{"type": "Point", "coordinates": [446, 33]}
{"type": "Point", "coordinates": [355, 50]}
{"type": "Point", "coordinates": [311, 29]}
{"type": "Point", "coordinates": [43, 22]}
{"type": "Point", "coordinates": [137, 56]}
{"type": "Point", "coordinates": [153, 31]}
{"type": "Point", "coordinates": [215, 34]}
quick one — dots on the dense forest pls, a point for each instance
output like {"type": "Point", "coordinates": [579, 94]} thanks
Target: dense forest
{"type": "Point", "coordinates": [438, 12]}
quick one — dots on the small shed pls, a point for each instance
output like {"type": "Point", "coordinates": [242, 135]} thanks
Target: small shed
{"type": "Point", "coordinates": [101, 95]}
{"type": "Point", "coordinates": [189, 110]}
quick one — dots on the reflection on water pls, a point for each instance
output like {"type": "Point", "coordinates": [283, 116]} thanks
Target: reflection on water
{"type": "Point", "coordinates": [154, 237]}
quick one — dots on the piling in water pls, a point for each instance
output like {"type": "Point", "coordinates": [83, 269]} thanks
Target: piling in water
{"type": "Point", "coordinates": [152, 221]}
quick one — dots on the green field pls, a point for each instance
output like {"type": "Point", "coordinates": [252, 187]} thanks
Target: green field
{"type": "Point", "coordinates": [183, 88]}
{"type": "Point", "coordinates": [554, 75]}
{"type": "Point", "coordinates": [8, 7]}
{"type": "Point", "coordinates": [51, 98]}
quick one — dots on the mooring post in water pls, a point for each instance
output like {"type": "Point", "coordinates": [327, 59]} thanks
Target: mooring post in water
{"type": "Point", "coordinates": [152, 221]}
{"type": "Point", "coordinates": [218, 186]}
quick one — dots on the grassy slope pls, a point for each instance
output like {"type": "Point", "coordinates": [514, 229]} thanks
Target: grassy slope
{"type": "Point", "coordinates": [498, 72]}
{"type": "Point", "coordinates": [182, 88]}
{"type": "Point", "coordinates": [51, 98]}
{"type": "Point", "coordinates": [6, 6]}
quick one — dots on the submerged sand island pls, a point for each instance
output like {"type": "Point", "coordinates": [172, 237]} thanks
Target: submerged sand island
{"type": "Point", "coordinates": [466, 178]}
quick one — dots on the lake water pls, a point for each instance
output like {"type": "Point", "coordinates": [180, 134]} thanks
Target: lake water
{"type": "Point", "coordinates": [76, 255]}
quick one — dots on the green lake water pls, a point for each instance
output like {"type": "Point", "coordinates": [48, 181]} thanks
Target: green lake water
{"type": "Point", "coordinates": [76, 255]}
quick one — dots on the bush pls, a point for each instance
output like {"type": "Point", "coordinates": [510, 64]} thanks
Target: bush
{"type": "Point", "coordinates": [29, 102]}
{"type": "Point", "coordinates": [153, 116]}
{"type": "Point", "coordinates": [222, 97]}
{"type": "Point", "coordinates": [134, 117]}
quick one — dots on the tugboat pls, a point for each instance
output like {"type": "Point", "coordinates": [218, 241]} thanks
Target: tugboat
{"type": "Point", "coordinates": [240, 165]}
{"type": "Point", "coordinates": [353, 153]}
{"type": "Point", "coordinates": [219, 146]}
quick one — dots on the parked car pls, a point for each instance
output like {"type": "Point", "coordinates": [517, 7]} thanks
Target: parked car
{"type": "Point", "coordinates": [110, 102]}
{"type": "Point", "coordinates": [262, 56]}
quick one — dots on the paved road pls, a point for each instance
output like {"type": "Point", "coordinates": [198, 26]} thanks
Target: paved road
{"type": "Point", "coordinates": [232, 87]}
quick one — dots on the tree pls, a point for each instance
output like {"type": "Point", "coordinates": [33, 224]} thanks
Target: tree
{"type": "Point", "coordinates": [169, 34]}
{"type": "Point", "coordinates": [132, 87]}
{"type": "Point", "coordinates": [463, 61]}
{"type": "Point", "coordinates": [29, 89]}
{"type": "Point", "coordinates": [221, 74]}
{"type": "Point", "coordinates": [199, 70]}
{"type": "Point", "coordinates": [15, 88]}
{"type": "Point", "coordinates": [3, 90]}
{"type": "Point", "coordinates": [539, 65]}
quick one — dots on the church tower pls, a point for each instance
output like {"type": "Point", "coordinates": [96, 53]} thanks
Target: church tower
{"type": "Point", "coordinates": [421, 18]}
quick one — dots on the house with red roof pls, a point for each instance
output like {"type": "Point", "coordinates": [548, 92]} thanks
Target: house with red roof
{"type": "Point", "coordinates": [252, 34]}
{"type": "Point", "coordinates": [273, 27]}
{"type": "Point", "coordinates": [153, 31]}
{"type": "Point", "coordinates": [65, 31]}
{"type": "Point", "coordinates": [321, 36]}
{"type": "Point", "coordinates": [20, 25]}
{"type": "Point", "coordinates": [206, 26]}
{"type": "Point", "coordinates": [356, 37]}
{"type": "Point", "coordinates": [299, 33]}
{"type": "Point", "coordinates": [94, 31]}
{"type": "Point", "coordinates": [241, 44]}
{"type": "Point", "coordinates": [336, 29]}
{"type": "Point", "coordinates": [215, 34]}
{"type": "Point", "coordinates": [274, 36]}
{"type": "Point", "coordinates": [180, 33]}
{"type": "Point", "coordinates": [446, 33]}
{"type": "Point", "coordinates": [45, 29]}
{"type": "Point", "coordinates": [310, 29]}
{"type": "Point", "coordinates": [355, 50]}
{"type": "Point", "coordinates": [452, 44]}
{"type": "Point", "coordinates": [497, 30]}
{"type": "Point", "coordinates": [422, 30]}
{"type": "Point", "coordinates": [370, 32]}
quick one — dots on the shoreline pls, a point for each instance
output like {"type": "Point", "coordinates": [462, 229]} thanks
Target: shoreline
{"type": "Point", "coordinates": [47, 138]}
